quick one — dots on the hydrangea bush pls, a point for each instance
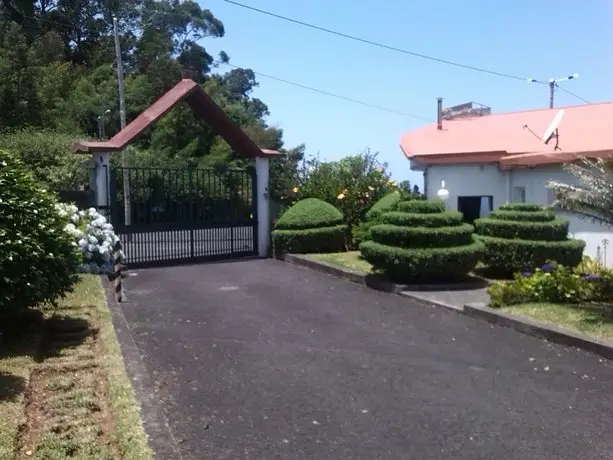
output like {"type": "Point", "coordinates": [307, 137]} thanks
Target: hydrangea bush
{"type": "Point", "coordinates": [93, 235]}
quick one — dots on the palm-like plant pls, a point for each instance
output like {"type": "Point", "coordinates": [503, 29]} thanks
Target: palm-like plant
{"type": "Point", "coordinates": [592, 199]}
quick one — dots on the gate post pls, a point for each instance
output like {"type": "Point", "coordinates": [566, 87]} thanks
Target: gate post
{"type": "Point", "coordinates": [102, 180]}
{"type": "Point", "coordinates": [263, 208]}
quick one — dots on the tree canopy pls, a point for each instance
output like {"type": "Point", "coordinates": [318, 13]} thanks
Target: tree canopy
{"type": "Point", "coordinates": [57, 72]}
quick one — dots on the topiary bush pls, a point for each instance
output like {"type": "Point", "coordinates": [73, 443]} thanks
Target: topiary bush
{"type": "Point", "coordinates": [38, 258]}
{"type": "Point", "coordinates": [422, 241]}
{"type": "Point", "coordinates": [311, 225]}
{"type": "Point", "coordinates": [522, 236]}
{"type": "Point", "coordinates": [387, 203]}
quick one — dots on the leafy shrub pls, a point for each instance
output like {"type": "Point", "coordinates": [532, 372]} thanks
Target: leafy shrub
{"type": "Point", "coordinates": [311, 225]}
{"type": "Point", "coordinates": [554, 283]}
{"type": "Point", "coordinates": [522, 236]}
{"type": "Point", "coordinates": [521, 207]}
{"type": "Point", "coordinates": [523, 216]}
{"type": "Point", "coordinates": [425, 243]}
{"type": "Point", "coordinates": [309, 213]}
{"type": "Point", "coordinates": [38, 260]}
{"type": "Point", "coordinates": [424, 207]}
{"type": "Point", "coordinates": [47, 154]}
{"type": "Point", "coordinates": [352, 184]}
{"type": "Point", "coordinates": [322, 239]}
{"type": "Point", "coordinates": [387, 203]}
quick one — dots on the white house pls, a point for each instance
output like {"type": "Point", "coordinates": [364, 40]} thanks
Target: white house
{"type": "Point", "coordinates": [489, 160]}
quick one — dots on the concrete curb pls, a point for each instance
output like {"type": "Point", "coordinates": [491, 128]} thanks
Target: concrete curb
{"type": "Point", "coordinates": [158, 431]}
{"type": "Point", "coordinates": [549, 332]}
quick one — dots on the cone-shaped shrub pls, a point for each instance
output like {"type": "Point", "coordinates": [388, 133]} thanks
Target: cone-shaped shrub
{"type": "Point", "coordinates": [422, 241]}
{"type": "Point", "coordinates": [522, 236]}
{"type": "Point", "coordinates": [311, 225]}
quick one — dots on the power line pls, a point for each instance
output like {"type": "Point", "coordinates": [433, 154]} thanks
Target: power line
{"type": "Point", "coordinates": [377, 44]}
{"type": "Point", "coordinates": [572, 94]}
{"type": "Point", "coordinates": [338, 96]}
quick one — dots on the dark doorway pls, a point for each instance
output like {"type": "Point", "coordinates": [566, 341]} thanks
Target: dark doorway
{"type": "Point", "coordinates": [474, 207]}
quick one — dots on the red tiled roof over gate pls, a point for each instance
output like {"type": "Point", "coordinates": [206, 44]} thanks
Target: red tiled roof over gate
{"type": "Point", "coordinates": [204, 108]}
{"type": "Point", "coordinates": [585, 130]}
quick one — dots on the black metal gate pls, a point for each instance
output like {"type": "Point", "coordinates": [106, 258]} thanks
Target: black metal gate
{"type": "Point", "coordinates": [166, 216]}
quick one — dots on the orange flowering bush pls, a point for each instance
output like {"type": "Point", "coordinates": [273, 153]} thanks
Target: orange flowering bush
{"type": "Point", "coordinates": [352, 184]}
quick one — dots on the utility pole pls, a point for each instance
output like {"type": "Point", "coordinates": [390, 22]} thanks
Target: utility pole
{"type": "Point", "coordinates": [122, 120]}
{"type": "Point", "coordinates": [553, 82]}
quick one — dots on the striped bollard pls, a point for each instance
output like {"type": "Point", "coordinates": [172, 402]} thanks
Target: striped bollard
{"type": "Point", "coordinates": [117, 267]}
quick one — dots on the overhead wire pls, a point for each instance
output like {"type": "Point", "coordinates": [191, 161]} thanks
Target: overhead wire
{"type": "Point", "coordinates": [572, 94]}
{"type": "Point", "coordinates": [376, 43]}
{"type": "Point", "coordinates": [338, 96]}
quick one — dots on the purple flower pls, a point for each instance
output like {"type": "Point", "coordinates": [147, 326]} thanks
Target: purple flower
{"type": "Point", "coordinates": [548, 268]}
{"type": "Point", "coordinates": [591, 278]}
{"type": "Point", "coordinates": [526, 274]}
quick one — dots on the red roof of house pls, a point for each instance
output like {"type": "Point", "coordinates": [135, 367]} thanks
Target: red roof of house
{"type": "Point", "coordinates": [585, 130]}
{"type": "Point", "coordinates": [204, 108]}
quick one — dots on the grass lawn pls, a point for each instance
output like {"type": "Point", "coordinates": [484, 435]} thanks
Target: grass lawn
{"type": "Point", "coordinates": [592, 320]}
{"type": "Point", "coordinates": [350, 260]}
{"type": "Point", "coordinates": [64, 392]}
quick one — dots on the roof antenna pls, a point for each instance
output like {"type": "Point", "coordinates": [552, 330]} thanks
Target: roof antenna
{"type": "Point", "coordinates": [552, 129]}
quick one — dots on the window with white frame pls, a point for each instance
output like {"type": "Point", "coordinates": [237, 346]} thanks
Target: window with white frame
{"type": "Point", "coordinates": [519, 195]}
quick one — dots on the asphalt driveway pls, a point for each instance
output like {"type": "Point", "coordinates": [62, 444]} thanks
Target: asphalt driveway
{"type": "Point", "coordinates": [264, 360]}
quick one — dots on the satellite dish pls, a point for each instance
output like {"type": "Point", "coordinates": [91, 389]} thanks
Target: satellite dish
{"type": "Point", "coordinates": [553, 126]}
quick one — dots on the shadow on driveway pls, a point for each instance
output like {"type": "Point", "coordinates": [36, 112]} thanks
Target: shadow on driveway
{"type": "Point", "coordinates": [264, 360]}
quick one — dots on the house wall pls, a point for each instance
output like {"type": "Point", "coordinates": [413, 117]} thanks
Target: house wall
{"type": "Point", "coordinates": [488, 179]}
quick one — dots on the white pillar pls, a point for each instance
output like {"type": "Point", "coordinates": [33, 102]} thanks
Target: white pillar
{"type": "Point", "coordinates": [261, 171]}
{"type": "Point", "coordinates": [102, 174]}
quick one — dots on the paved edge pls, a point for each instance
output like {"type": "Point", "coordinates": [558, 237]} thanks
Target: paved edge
{"type": "Point", "coordinates": [482, 311]}
{"type": "Point", "coordinates": [549, 332]}
{"type": "Point", "coordinates": [156, 425]}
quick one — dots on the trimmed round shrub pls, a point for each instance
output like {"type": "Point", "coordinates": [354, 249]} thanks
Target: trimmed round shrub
{"type": "Point", "coordinates": [310, 225]}
{"type": "Point", "coordinates": [524, 236]}
{"type": "Point", "coordinates": [387, 203]}
{"type": "Point", "coordinates": [309, 213]}
{"type": "Point", "coordinates": [422, 241]}
{"type": "Point", "coordinates": [38, 258]}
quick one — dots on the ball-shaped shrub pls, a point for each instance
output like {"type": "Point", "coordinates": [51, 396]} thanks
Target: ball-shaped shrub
{"type": "Point", "coordinates": [523, 236]}
{"type": "Point", "coordinates": [38, 260]}
{"type": "Point", "coordinates": [422, 241]}
{"type": "Point", "coordinates": [311, 225]}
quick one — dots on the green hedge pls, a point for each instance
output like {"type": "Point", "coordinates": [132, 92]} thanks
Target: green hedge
{"type": "Point", "coordinates": [422, 237]}
{"type": "Point", "coordinates": [518, 255]}
{"type": "Point", "coordinates": [419, 206]}
{"type": "Point", "coordinates": [443, 219]}
{"type": "Point", "coordinates": [421, 241]}
{"type": "Point", "coordinates": [309, 213]}
{"type": "Point", "coordinates": [527, 216]}
{"type": "Point", "coordinates": [524, 236]}
{"type": "Point", "coordinates": [387, 203]}
{"type": "Point", "coordinates": [555, 230]}
{"type": "Point", "coordinates": [522, 207]}
{"type": "Point", "coordinates": [38, 263]}
{"type": "Point", "coordinates": [404, 264]}
{"type": "Point", "coordinates": [323, 239]}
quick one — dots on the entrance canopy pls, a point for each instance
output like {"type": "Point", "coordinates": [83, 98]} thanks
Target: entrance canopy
{"type": "Point", "coordinates": [204, 108]}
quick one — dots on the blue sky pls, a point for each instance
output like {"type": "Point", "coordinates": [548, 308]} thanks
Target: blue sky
{"type": "Point", "coordinates": [539, 39]}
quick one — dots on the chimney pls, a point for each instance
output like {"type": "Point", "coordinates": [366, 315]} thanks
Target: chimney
{"type": "Point", "coordinates": [439, 113]}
